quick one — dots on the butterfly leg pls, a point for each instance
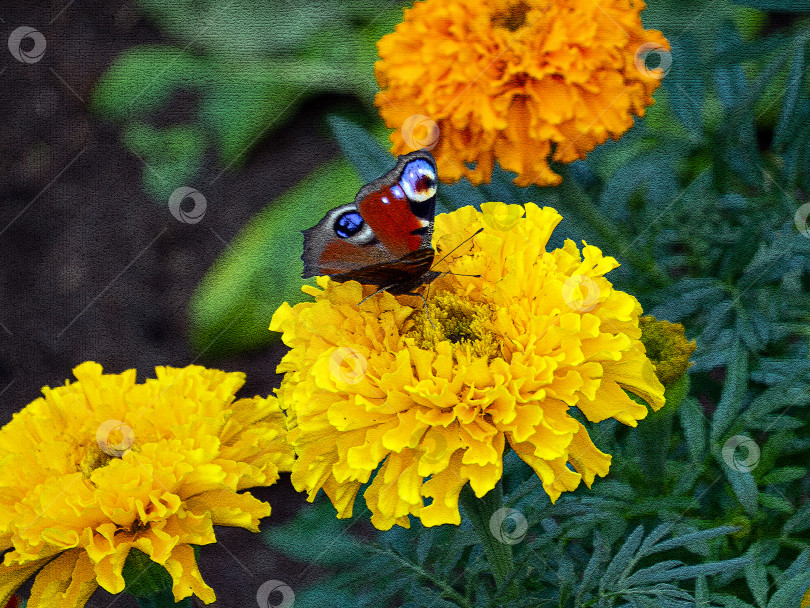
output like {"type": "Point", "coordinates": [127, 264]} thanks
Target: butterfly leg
{"type": "Point", "coordinates": [372, 294]}
{"type": "Point", "coordinates": [427, 311]}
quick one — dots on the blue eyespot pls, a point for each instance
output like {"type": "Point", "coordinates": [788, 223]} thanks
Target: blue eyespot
{"type": "Point", "coordinates": [348, 224]}
{"type": "Point", "coordinates": [419, 180]}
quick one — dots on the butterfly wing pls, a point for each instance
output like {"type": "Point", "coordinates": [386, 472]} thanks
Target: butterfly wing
{"type": "Point", "coordinates": [400, 206]}
{"type": "Point", "coordinates": [399, 276]}
{"type": "Point", "coordinates": [371, 239]}
{"type": "Point", "coordinates": [340, 242]}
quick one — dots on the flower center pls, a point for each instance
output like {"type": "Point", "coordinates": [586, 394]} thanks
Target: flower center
{"type": "Point", "coordinates": [456, 320]}
{"type": "Point", "coordinates": [94, 458]}
{"type": "Point", "coordinates": [513, 18]}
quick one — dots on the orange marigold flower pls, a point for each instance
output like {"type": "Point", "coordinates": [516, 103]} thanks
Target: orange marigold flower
{"type": "Point", "coordinates": [102, 465]}
{"type": "Point", "coordinates": [516, 80]}
{"type": "Point", "coordinates": [431, 403]}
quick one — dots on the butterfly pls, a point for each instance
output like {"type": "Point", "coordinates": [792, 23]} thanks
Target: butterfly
{"type": "Point", "coordinates": [383, 238]}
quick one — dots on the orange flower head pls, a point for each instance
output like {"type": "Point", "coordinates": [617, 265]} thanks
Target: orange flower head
{"type": "Point", "coordinates": [520, 82]}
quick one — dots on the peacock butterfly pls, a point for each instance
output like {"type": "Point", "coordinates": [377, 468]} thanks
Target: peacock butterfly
{"type": "Point", "coordinates": [383, 238]}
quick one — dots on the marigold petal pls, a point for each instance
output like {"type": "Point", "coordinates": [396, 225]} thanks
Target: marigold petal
{"type": "Point", "coordinates": [182, 566]}
{"type": "Point", "coordinates": [53, 588]}
{"type": "Point", "coordinates": [14, 575]}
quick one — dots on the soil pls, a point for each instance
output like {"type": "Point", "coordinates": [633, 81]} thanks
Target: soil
{"type": "Point", "coordinates": [94, 269]}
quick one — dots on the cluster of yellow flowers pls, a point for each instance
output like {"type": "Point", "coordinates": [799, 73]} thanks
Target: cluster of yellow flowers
{"type": "Point", "coordinates": [102, 465]}
{"type": "Point", "coordinates": [425, 400]}
{"type": "Point", "coordinates": [419, 400]}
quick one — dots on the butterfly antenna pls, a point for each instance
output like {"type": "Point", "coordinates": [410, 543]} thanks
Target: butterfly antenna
{"type": "Point", "coordinates": [427, 311]}
{"type": "Point", "coordinates": [444, 257]}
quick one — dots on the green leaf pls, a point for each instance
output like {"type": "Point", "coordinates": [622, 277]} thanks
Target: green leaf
{"type": "Point", "coordinates": [701, 593]}
{"type": "Point", "coordinates": [590, 579]}
{"type": "Point", "coordinates": [315, 535]}
{"type": "Point", "coordinates": [363, 151]}
{"type": "Point", "coordinates": [795, 80]}
{"type": "Point", "coordinates": [744, 487]}
{"type": "Point", "coordinates": [734, 390]}
{"type": "Point", "coordinates": [790, 591]}
{"type": "Point", "coordinates": [799, 521]}
{"type": "Point", "coordinates": [778, 503]}
{"type": "Point", "coordinates": [688, 539]}
{"type": "Point", "coordinates": [623, 558]}
{"type": "Point", "coordinates": [149, 581]}
{"type": "Point", "coordinates": [171, 156]}
{"type": "Point", "coordinates": [757, 579]}
{"type": "Point", "coordinates": [784, 475]}
{"type": "Point", "coordinates": [693, 422]}
{"type": "Point", "coordinates": [241, 29]}
{"type": "Point", "coordinates": [239, 110]}
{"type": "Point", "coordinates": [142, 79]}
{"type": "Point", "coordinates": [324, 594]}
{"type": "Point", "coordinates": [233, 304]}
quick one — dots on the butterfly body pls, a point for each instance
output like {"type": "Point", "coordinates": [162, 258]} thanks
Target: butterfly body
{"type": "Point", "coordinates": [383, 238]}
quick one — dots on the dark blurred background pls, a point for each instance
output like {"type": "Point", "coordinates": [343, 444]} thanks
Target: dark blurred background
{"type": "Point", "coordinates": [94, 269]}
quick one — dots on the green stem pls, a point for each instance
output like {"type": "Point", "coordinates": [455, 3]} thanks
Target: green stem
{"type": "Point", "coordinates": [499, 554]}
{"type": "Point", "coordinates": [575, 198]}
{"type": "Point", "coordinates": [447, 590]}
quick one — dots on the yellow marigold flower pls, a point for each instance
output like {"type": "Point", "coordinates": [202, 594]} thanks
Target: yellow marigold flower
{"type": "Point", "coordinates": [433, 401]}
{"type": "Point", "coordinates": [515, 80]}
{"type": "Point", "coordinates": [103, 464]}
